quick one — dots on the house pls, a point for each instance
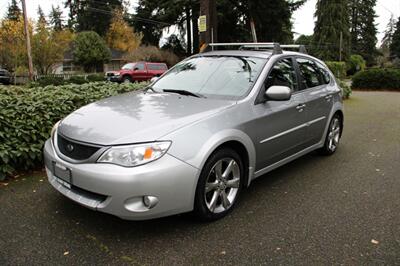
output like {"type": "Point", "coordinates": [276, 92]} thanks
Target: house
{"type": "Point", "coordinates": [67, 66]}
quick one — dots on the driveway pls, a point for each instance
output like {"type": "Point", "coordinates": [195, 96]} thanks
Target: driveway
{"type": "Point", "coordinates": [343, 209]}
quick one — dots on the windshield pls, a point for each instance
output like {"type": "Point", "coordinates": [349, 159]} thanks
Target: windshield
{"type": "Point", "coordinates": [128, 66]}
{"type": "Point", "coordinates": [213, 76]}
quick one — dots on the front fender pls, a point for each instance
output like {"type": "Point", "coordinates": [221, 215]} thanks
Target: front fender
{"type": "Point", "coordinates": [202, 146]}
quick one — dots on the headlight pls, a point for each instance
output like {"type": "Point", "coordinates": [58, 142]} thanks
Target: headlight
{"type": "Point", "coordinates": [53, 130]}
{"type": "Point", "coordinates": [134, 155]}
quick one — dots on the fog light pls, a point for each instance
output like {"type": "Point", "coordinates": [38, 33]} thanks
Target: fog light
{"type": "Point", "coordinates": [150, 201]}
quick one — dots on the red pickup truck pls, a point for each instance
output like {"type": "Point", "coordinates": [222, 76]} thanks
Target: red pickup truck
{"type": "Point", "coordinates": [138, 71]}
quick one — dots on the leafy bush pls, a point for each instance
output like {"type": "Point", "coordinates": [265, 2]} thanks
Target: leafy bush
{"type": "Point", "coordinates": [28, 114]}
{"type": "Point", "coordinates": [77, 80]}
{"type": "Point", "coordinates": [152, 54]}
{"type": "Point", "coordinates": [377, 79]}
{"type": "Point", "coordinates": [95, 77]}
{"type": "Point", "coordinates": [49, 80]}
{"type": "Point", "coordinates": [338, 68]}
{"type": "Point", "coordinates": [355, 64]}
{"type": "Point", "coordinates": [345, 89]}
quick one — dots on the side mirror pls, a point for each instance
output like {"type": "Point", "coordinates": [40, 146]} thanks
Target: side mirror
{"type": "Point", "coordinates": [278, 93]}
{"type": "Point", "coordinates": [154, 79]}
{"type": "Point", "coordinates": [135, 69]}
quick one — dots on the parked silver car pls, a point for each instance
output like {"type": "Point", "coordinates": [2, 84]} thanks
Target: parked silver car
{"type": "Point", "coordinates": [198, 135]}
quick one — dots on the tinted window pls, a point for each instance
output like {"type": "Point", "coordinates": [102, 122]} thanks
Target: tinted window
{"type": "Point", "coordinates": [139, 66]}
{"type": "Point", "coordinates": [156, 67]}
{"type": "Point", "coordinates": [325, 76]}
{"type": "Point", "coordinates": [282, 74]}
{"type": "Point", "coordinates": [213, 76]}
{"type": "Point", "coordinates": [309, 72]}
{"type": "Point", "coordinates": [128, 66]}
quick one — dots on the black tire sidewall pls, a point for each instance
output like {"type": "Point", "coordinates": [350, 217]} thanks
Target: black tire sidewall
{"type": "Point", "coordinates": [200, 207]}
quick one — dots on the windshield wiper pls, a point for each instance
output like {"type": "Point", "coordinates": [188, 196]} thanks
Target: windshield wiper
{"type": "Point", "coordinates": [185, 92]}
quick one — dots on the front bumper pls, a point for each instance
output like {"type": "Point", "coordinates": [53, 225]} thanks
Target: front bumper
{"type": "Point", "coordinates": [114, 78]}
{"type": "Point", "coordinates": [119, 190]}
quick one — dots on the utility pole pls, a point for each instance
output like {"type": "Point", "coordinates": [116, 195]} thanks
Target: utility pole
{"type": "Point", "coordinates": [27, 40]}
{"type": "Point", "coordinates": [208, 8]}
{"type": "Point", "coordinates": [340, 46]}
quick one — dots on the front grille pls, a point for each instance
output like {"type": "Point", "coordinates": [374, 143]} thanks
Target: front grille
{"type": "Point", "coordinates": [110, 74]}
{"type": "Point", "coordinates": [88, 194]}
{"type": "Point", "coordinates": [74, 150]}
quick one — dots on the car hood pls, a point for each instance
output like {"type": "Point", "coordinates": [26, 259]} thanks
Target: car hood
{"type": "Point", "coordinates": [136, 117]}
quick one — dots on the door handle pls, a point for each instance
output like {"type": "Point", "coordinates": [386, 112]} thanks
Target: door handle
{"type": "Point", "coordinates": [300, 107]}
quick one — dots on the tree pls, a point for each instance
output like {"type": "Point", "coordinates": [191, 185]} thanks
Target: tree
{"type": "Point", "coordinates": [395, 45]}
{"type": "Point", "coordinates": [363, 29]}
{"type": "Point", "coordinates": [120, 35]}
{"type": "Point", "coordinates": [331, 26]}
{"type": "Point", "coordinates": [56, 18]}
{"type": "Point", "coordinates": [90, 51]}
{"type": "Point", "coordinates": [90, 15]}
{"type": "Point", "coordinates": [175, 45]}
{"type": "Point", "coordinates": [49, 46]}
{"type": "Point", "coordinates": [304, 39]}
{"type": "Point", "coordinates": [41, 17]}
{"type": "Point", "coordinates": [12, 43]}
{"type": "Point", "coordinates": [13, 12]}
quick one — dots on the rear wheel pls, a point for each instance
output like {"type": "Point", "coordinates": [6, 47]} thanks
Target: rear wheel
{"type": "Point", "coordinates": [333, 136]}
{"type": "Point", "coordinates": [219, 185]}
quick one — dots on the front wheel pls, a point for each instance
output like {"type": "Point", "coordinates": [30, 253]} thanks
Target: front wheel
{"type": "Point", "coordinates": [333, 136]}
{"type": "Point", "coordinates": [219, 185]}
{"type": "Point", "coordinates": [126, 79]}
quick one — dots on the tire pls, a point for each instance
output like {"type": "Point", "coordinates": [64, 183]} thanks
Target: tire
{"type": "Point", "coordinates": [217, 199]}
{"type": "Point", "coordinates": [126, 79]}
{"type": "Point", "coordinates": [332, 136]}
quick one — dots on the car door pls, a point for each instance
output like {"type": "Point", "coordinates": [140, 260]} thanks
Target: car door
{"type": "Point", "coordinates": [318, 100]}
{"type": "Point", "coordinates": [278, 129]}
{"type": "Point", "coordinates": [140, 72]}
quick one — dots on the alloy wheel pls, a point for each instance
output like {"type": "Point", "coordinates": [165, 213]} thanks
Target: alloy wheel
{"type": "Point", "coordinates": [334, 134]}
{"type": "Point", "coordinates": [222, 185]}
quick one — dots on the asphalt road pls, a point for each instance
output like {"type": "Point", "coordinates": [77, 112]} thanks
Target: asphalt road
{"type": "Point", "coordinates": [343, 209]}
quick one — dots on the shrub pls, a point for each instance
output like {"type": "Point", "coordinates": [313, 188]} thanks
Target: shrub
{"type": "Point", "coordinates": [355, 64]}
{"type": "Point", "coordinates": [95, 77]}
{"type": "Point", "coordinates": [377, 79]}
{"type": "Point", "coordinates": [345, 89]}
{"type": "Point", "coordinates": [77, 80]}
{"type": "Point", "coordinates": [338, 68]}
{"type": "Point", "coordinates": [28, 114]}
{"type": "Point", "coordinates": [49, 80]}
{"type": "Point", "coordinates": [152, 54]}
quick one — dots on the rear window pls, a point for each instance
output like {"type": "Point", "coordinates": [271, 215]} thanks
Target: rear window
{"type": "Point", "coordinates": [156, 67]}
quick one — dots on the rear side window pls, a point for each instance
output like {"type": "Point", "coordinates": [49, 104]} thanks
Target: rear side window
{"type": "Point", "coordinates": [282, 74]}
{"type": "Point", "coordinates": [139, 66]}
{"type": "Point", "coordinates": [310, 73]}
{"type": "Point", "coordinates": [325, 76]}
{"type": "Point", "coordinates": [156, 67]}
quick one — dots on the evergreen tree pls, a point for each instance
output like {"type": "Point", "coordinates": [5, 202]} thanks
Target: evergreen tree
{"type": "Point", "coordinates": [332, 23]}
{"type": "Point", "coordinates": [395, 45]}
{"type": "Point", "coordinates": [13, 12]}
{"type": "Point", "coordinates": [56, 18]}
{"type": "Point", "coordinates": [41, 17]}
{"type": "Point", "coordinates": [388, 34]}
{"type": "Point", "coordinates": [363, 29]}
{"type": "Point", "coordinates": [91, 15]}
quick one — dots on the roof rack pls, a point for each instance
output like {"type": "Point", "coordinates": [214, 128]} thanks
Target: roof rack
{"type": "Point", "coordinates": [275, 47]}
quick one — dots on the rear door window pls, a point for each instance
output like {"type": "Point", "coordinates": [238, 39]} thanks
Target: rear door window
{"type": "Point", "coordinates": [310, 73]}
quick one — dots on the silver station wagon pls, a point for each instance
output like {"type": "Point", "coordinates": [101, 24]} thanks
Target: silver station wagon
{"type": "Point", "coordinates": [197, 136]}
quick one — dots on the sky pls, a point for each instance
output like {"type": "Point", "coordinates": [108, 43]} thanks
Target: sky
{"type": "Point", "coordinates": [303, 19]}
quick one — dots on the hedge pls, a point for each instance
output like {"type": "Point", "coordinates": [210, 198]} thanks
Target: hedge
{"type": "Point", "coordinates": [338, 68]}
{"type": "Point", "coordinates": [27, 116]}
{"type": "Point", "coordinates": [377, 79]}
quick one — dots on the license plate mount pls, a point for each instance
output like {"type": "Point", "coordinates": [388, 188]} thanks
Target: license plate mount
{"type": "Point", "coordinates": [62, 172]}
